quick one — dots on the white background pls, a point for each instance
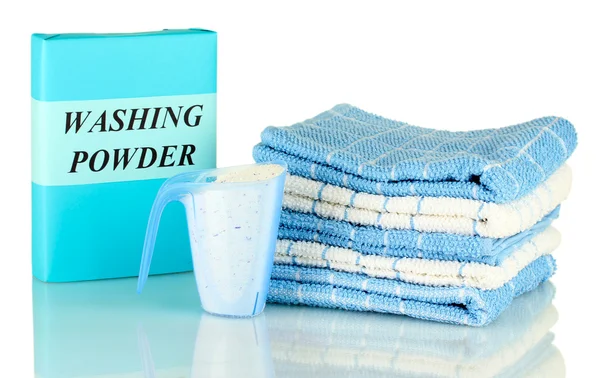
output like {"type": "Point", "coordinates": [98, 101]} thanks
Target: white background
{"type": "Point", "coordinates": [455, 65]}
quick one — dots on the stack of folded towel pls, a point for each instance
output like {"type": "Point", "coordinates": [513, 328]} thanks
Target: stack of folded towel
{"type": "Point", "coordinates": [447, 226]}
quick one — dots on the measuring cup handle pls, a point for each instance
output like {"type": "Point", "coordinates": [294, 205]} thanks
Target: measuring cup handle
{"type": "Point", "coordinates": [167, 193]}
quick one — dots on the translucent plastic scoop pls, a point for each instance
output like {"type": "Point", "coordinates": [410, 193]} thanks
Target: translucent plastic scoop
{"type": "Point", "coordinates": [233, 217]}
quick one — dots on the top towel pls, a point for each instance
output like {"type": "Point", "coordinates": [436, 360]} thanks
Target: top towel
{"type": "Point", "coordinates": [349, 147]}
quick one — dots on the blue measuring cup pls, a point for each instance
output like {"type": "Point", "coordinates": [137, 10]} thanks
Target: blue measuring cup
{"type": "Point", "coordinates": [233, 217]}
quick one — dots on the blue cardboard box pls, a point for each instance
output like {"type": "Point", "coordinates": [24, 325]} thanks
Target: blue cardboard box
{"type": "Point", "coordinates": [113, 116]}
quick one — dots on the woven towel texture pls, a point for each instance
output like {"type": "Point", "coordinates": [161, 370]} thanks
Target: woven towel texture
{"type": "Point", "coordinates": [457, 305]}
{"type": "Point", "coordinates": [428, 214]}
{"type": "Point", "coordinates": [405, 243]}
{"type": "Point", "coordinates": [384, 334]}
{"type": "Point", "coordinates": [323, 338]}
{"type": "Point", "coordinates": [349, 147]}
{"type": "Point", "coordinates": [419, 271]}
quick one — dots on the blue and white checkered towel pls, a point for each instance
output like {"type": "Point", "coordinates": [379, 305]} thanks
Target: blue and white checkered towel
{"type": "Point", "coordinates": [376, 339]}
{"type": "Point", "coordinates": [357, 292]}
{"type": "Point", "coordinates": [349, 147]}
{"type": "Point", "coordinates": [405, 243]}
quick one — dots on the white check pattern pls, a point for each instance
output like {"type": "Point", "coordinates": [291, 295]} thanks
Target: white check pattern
{"type": "Point", "coordinates": [428, 214]}
{"type": "Point", "coordinates": [414, 270]}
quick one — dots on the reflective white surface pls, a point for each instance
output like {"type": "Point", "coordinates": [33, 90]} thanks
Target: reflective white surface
{"type": "Point", "coordinates": [104, 329]}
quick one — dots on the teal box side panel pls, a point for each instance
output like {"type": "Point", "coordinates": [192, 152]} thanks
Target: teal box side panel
{"type": "Point", "coordinates": [96, 231]}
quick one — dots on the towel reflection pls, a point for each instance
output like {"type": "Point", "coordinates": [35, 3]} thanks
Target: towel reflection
{"type": "Point", "coordinates": [103, 329]}
{"type": "Point", "coordinates": [330, 343]}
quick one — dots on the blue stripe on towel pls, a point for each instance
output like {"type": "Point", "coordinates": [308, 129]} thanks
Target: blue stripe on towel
{"type": "Point", "coordinates": [346, 146]}
{"type": "Point", "coordinates": [474, 307]}
{"type": "Point", "coordinates": [442, 341]}
{"type": "Point", "coordinates": [406, 243]}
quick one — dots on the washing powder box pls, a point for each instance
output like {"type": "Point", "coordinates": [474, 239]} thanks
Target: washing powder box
{"type": "Point", "coordinates": [113, 116]}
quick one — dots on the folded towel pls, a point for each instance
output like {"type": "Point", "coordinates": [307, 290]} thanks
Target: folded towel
{"type": "Point", "coordinates": [457, 305]}
{"type": "Point", "coordinates": [405, 243]}
{"type": "Point", "coordinates": [529, 317]}
{"type": "Point", "coordinates": [428, 214]}
{"type": "Point", "coordinates": [349, 147]}
{"type": "Point", "coordinates": [419, 271]}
